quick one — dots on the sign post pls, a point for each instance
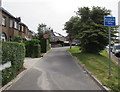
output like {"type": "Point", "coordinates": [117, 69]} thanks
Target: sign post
{"type": "Point", "coordinates": [109, 21]}
{"type": "Point", "coordinates": [109, 50]}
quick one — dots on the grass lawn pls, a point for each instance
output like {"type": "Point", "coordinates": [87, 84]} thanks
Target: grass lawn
{"type": "Point", "coordinates": [98, 65]}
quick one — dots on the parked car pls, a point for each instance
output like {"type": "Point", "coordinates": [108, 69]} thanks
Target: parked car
{"type": "Point", "coordinates": [116, 50]}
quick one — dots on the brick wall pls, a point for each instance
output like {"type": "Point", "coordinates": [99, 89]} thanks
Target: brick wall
{"type": "Point", "coordinates": [11, 32]}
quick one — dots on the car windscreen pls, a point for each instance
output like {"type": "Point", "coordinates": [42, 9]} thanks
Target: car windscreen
{"type": "Point", "coordinates": [117, 47]}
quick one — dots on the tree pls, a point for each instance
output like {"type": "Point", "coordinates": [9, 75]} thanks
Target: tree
{"type": "Point", "coordinates": [69, 26]}
{"type": "Point", "coordinates": [41, 30]}
{"type": "Point", "coordinates": [88, 27]}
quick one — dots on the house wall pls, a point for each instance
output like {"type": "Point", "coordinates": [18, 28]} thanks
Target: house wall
{"type": "Point", "coordinates": [5, 28]}
{"type": "Point", "coordinates": [12, 32]}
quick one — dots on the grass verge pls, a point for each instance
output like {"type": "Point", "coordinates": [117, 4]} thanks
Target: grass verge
{"type": "Point", "coordinates": [98, 65]}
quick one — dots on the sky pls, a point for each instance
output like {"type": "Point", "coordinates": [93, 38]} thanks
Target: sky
{"type": "Point", "coordinates": [53, 13]}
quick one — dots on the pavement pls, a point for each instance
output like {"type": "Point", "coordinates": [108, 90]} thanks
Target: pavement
{"type": "Point", "coordinates": [29, 62]}
{"type": "Point", "coordinates": [57, 70]}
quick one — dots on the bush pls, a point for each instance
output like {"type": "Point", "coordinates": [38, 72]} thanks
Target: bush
{"type": "Point", "coordinates": [33, 48]}
{"type": "Point", "coordinates": [45, 45]}
{"type": "Point", "coordinates": [61, 43]}
{"type": "Point", "coordinates": [18, 39]}
{"type": "Point", "coordinates": [14, 52]}
{"type": "Point", "coordinates": [7, 75]}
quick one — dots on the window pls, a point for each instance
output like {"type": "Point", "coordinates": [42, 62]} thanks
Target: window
{"type": "Point", "coordinates": [3, 20]}
{"type": "Point", "coordinates": [3, 36]}
{"type": "Point", "coordinates": [22, 28]}
{"type": "Point", "coordinates": [16, 25]}
{"type": "Point", "coordinates": [11, 23]}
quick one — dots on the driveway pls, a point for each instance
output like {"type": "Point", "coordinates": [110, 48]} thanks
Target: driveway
{"type": "Point", "coordinates": [56, 71]}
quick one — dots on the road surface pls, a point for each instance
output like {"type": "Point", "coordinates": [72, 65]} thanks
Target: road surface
{"type": "Point", "coordinates": [56, 71]}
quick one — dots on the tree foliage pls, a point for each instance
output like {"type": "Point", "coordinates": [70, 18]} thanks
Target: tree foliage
{"type": "Point", "coordinates": [41, 30]}
{"type": "Point", "coordinates": [88, 27]}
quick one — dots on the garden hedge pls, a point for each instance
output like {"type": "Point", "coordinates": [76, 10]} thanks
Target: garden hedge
{"type": "Point", "coordinates": [66, 44]}
{"type": "Point", "coordinates": [45, 45]}
{"type": "Point", "coordinates": [0, 62]}
{"type": "Point", "coordinates": [33, 48]}
{"type": "Point", "coordinates": [15, 53]}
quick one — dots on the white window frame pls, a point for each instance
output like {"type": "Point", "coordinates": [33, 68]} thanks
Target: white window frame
{"type": "Point", "coordinates": [3, 36]}
{"type": "Point", "coordinates": [11, 23]}
{"type": "Point", "coordinates": [16, 25]}
{"type": "Point", "coordinates": [22, 28]}
{"type": "Point", "coordinates": [3, 21]}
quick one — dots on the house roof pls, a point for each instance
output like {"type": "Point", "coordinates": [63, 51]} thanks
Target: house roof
{"type": "Point", "coordinates": [18, 19]}
{"type": "Point", "coordinates": [58, 34]}
{"type": "Point", "coordinates": [9, 14]}
{"type": "Point", "coordinates": [6, 12]}
{"type": "Point", "coordinates": [23, 24]}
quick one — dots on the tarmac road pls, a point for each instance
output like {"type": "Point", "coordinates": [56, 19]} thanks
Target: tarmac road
{"type": "Point", "coordinates": [56, 71]}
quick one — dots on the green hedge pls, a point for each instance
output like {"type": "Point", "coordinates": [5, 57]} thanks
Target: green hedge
{"type": "Point", "coordinates": [0, 62]}
{"type": "Point", "coordinates": [66, 44]}
{"type": "Point", "coordinates": [45, 45]}
{"type": "Point", "coordinates": [14, 52]}
{"type": "Point", "coordinates": [18, 39]}
{"type": "Point", "coordinates": [33, 48]}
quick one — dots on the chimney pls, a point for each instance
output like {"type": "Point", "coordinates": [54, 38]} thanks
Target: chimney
{"type": "Point", "coordinates": [19, 19]}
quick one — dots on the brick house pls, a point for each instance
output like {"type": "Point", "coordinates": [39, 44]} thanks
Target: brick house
{"type": "Point", "coordinates": [12, 26]}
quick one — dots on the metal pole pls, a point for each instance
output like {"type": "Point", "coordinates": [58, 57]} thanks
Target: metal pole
{"type": "Point", "coordinates": [118, 70]}
{"type": "Point", "coordinates": [109, 50]}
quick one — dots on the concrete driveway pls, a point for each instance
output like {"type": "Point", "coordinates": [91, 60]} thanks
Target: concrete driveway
{"type": "Point", "coordinates": [56, 71]}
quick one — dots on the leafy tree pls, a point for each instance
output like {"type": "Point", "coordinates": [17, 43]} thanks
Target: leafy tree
{"type": "Point", "coordinates": [69, 26]}
{"type": "Point", "coordinates": [88, 27]}
{"type": "Point", "coordinates": [41, 30]}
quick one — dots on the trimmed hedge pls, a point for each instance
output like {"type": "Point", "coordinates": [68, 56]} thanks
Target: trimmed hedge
{"type": "Point", "coordinates": [18, 39]}
{"type": "Point", "coordinates": [66, 44]}
{"type": "Point", "coordinates": [14, 52]}
{"type": "Point", "coordinates": [45, 45]}
{"type": "Point", "coordinates": [0, 62]}
{"type": "Point", "coordinates": [33, 48]}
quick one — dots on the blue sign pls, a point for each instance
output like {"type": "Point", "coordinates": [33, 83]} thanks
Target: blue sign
{"type": "Point", "coordinates": [109, 21]}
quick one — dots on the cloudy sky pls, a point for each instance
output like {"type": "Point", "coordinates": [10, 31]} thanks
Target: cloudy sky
{"type": "Point", "coordinates": [53, 13]}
